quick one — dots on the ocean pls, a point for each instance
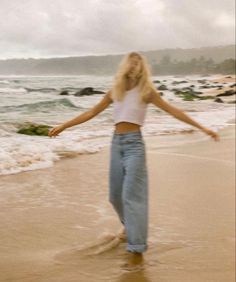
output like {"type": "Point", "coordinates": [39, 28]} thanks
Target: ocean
{"type": "Point", "coordinates": [36, 99]}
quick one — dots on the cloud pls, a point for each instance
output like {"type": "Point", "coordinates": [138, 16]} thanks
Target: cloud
{"type": "Point", "coordinates": [41, 28]}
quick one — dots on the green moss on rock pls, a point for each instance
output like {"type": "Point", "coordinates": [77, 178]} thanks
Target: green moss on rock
{"type": "Point", "coordinates": [35, 129]}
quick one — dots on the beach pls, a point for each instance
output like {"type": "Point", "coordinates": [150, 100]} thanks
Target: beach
{"type": "Point", "coordinates": [50, 216]}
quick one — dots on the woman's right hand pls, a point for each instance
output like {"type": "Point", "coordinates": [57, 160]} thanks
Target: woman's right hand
{"type": "Point", "coordinates": [56, 130]}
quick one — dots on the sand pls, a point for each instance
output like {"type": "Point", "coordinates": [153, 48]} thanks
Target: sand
{"type": "Point", "coordinates": [224, 79]}
{"type": "Point", "coordinates": [48, 216]}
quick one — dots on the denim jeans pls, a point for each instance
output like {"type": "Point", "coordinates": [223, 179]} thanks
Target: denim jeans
{"type": "Point", "coordinates": [128, 187]}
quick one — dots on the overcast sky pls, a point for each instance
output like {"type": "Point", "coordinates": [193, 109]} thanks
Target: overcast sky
{"type": "Point", "coordinates": [56, 28]}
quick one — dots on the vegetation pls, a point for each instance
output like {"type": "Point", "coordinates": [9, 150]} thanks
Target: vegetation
{"type": "Point", "coordinates": [200, 65]}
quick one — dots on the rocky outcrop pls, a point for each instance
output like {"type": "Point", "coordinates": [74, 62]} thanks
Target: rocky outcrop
{"type": "Point", "coordinates": [227, 93]}
{"type": "Point", "coordinates": [88, 91]}
{"type": "Point", "coordinates": [34, 129]}
{"type": "Point", "coordinates": [64, 92]}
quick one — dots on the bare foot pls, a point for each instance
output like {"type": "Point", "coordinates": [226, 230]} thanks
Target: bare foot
{"type": "Point", "coordinates": [122, 235]}
{"type": "Point", "coordinates": [134, 261]}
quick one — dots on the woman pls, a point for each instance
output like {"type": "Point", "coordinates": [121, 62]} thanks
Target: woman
{"type": "Point", "coordinates": [128, 192]}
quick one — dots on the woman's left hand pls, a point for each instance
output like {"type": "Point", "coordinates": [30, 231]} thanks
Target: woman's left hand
{"type": "Point", "coordinates": [213, 134]}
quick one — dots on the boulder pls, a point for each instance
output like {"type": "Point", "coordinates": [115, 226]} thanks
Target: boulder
{"type": "Point", "coordinates": [189, 94]}
{"type": "Point", "coordinates": [206, 86]}
{"type": "Point", "coordinates": [64, 92]}
{"type": "Point", "coordinates": [201, 80]}
{"type": "Point", "coordinates": [88, 91]}
{"type": "Point", "coordinates": [179, 82]}
{"type": "Point", "coordinates": [162, 87]}
{"type": "Point", "coordinates": [226, 93]}
{"type": "Point", "coordinates": [218, 100]}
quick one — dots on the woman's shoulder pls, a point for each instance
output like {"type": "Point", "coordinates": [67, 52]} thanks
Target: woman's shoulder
{"type": "Point", "coordinates": [149, 96]}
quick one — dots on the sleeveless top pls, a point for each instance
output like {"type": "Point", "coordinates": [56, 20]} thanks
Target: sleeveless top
{"type": "Point", "coordinates": [130, 109]}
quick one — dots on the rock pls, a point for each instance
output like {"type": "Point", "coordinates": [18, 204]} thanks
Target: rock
{"type": "Point", "coordinates": [84, 91]}
{"type": "Point", "coordinates": [218, 100]}
{"type": "Point", "coordinates": [232, 102]}
{"type": "Point", "coordinates": [226, 93]}
{"type": "Point", "coordinates": [88, 91]}
{"type": "Point", "coordinates": [179, 82]}
{"type": "Point", "coordinates": [191, 90]}
{"type": "Point", "coordinates": [206, 97]}
{"type": "Point", "coordinates": [64, 92]}
{"type": "Point", "coordinates": [211, 86]}
{"type": "Point", "coordinates": [34, 129]}
{"type": "Point", "coordinates": [162, 87]}
{"type": "Point", "coordinates": [233, 85]}
{"type": "Point", "coordinates": [189, 94]}
{"type": "Point", "coordinates": [205, 86]}
{"type": "Point", "coordinates": [216, 86]}
{"type": "Point", "coordinates": [46, 89]}
{"type": "Point", "coordinates": [201, 80]}
{"type": "Point", "coordinates": [156, 81]}
{"type": "Point", "coordinates": [98, 92]}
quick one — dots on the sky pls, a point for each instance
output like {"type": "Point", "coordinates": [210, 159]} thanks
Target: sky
{"type": "Point", "coordinates": [62, 28]}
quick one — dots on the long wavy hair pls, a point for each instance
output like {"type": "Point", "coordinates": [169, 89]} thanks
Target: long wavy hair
{"type": "Point", "coordinates": [145, 85]}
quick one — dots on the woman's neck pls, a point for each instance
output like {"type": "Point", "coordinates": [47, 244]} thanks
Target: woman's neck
{"type": "Point", "coordinates": [131, 83]}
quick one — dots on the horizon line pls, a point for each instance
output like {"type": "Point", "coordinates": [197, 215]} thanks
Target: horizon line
{"type": "Point", "coordinates": [110, 54]}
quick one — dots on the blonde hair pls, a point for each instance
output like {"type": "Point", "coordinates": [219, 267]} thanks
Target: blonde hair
{"type": "Point", "coordinates": [145, 85]}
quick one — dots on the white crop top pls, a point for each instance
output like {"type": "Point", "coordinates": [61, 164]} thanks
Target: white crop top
{"type": "Point", "coordinates": [130, 109]}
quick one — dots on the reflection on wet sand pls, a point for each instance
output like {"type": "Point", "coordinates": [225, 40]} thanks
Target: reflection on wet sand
{"type": "Point", "coordinates": [138, 276]}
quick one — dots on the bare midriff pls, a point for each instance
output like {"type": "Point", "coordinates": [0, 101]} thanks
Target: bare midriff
{"type": "Point", "coordinates": [123, 127]}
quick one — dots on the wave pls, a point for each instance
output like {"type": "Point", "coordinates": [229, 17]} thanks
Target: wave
{"type": "Point", "coordinates": [12, 90]}
{"type": "Point", "coordinates": [43, 106]}
{"type": "Point", "coordinates": [4, 82]}
{"type": "Point", "coordinates": [24, 153]}
{"type": "Point", "coordinates": [44, 89]}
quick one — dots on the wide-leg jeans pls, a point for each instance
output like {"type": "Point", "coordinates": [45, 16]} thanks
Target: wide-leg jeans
{"type": "Point", "coordinates": [128, 187]}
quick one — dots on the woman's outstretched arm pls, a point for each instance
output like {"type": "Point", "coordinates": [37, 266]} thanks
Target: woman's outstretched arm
{"type": "Point", "coordinates": [101, 106]}
{"type": "Point", "coordinates": [156, 99]}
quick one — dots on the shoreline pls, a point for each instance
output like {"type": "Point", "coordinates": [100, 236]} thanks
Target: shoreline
{"type": "Point", "coordinates": [173, 139]}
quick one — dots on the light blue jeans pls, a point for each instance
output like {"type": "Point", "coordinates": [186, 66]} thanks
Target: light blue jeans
{"type": "Point", "coordinates": [128, 187]}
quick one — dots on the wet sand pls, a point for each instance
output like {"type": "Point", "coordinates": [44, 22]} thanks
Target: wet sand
{"type": "Point", "coordinates": [223, 79]}
{"type": "Point", "coordinates": [48, 216]}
